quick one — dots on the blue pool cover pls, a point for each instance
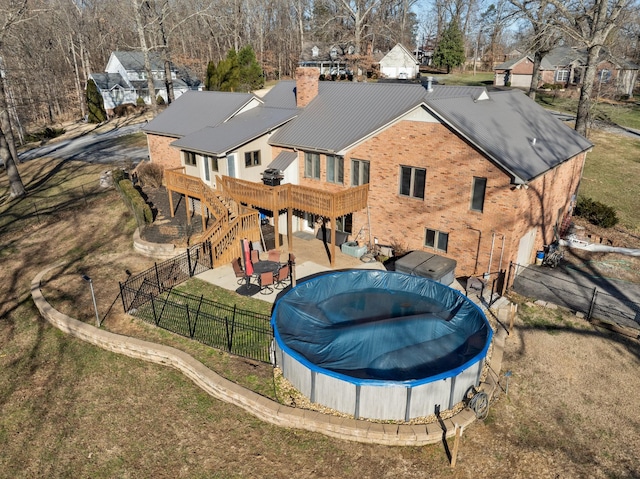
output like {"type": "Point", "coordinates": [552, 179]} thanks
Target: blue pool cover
{"type": "Point", "coordinates": [380, 325]}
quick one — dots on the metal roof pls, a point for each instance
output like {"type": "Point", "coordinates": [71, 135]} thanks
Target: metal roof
{"type": "Point", "coordinates": [515, 132]}
{"type": "Point", "coordinates": [194, 110]}
{"type": "Point", "coordinates": [219, 139]}
{"type": "Point", "coordinates": [344, 113]}
{"type": "Point", "coordinates": [283, 160]}
{"type": "Point", "coordinates": [159, 84]}
{"type": "Point", "coordinates": [281, 95]}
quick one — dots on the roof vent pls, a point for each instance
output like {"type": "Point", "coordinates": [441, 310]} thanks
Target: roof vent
{"type": "Point", "coordinates": [533, 141]}
{"type": "Point", "coordinates": [429, 83]}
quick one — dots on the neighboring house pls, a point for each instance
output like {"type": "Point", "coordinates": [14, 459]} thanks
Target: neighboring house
{"type": "Point", "coordinates": [399, 63]}
{"type": "Point", "coordinates": [329, 58]}
{"type": "Point", "coordinates": [566, 66]}
{"type": "Point", "coordinates": [124, 80]}
{"type": "Point", "coordinates": [483, 178]}
{"type": "Point", "coordinates": [218, 133]}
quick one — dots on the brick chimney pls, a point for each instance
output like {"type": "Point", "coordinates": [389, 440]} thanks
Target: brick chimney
{"type": "Point", "coordinates": [306, 85]}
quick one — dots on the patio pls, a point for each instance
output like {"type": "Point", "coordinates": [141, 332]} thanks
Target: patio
{"type": "Point", "coordinates": [311, 259]}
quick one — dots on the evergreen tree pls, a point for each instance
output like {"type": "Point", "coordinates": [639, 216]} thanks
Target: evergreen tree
{"type": "Point", "coordinates": [450, 49]}
{"type": "Point", "coordinates": [250, 75]}
{"type": "Point", "coordinates": [95, 104]}
{"type": "Point", "coordinates": [225, 75]}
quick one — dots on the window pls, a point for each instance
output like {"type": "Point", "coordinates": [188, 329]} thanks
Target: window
{"type": "Point", "coordinates": [344, 224]}
{"type": "Point", "coordinates": [312, 165]}
{"type": "Point", "coordinates": [189, 158]}
{"type": "Point", "coordinates": [210, 164]}
{"type": "Point", "coordinates": [436, 239]}
{"type": "Point", "coordinates": [252, 158]}
{"type": "Point", "coordinates": [477, 194]}
{"type": "Point", "coordinates": [335, 169]}
{"type": "Point", "coordinates": [359, 172]}
{"type": "Point", "coordinates": [412, 181]}
{"type": "Point", "coordinates": [562, 75]}
{"type": "Point", "coordinates": [604, 76]}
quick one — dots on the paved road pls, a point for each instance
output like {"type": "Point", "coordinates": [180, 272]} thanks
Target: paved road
{"type": "Point", "coordinates": [615, 301]}
{"type": "Point", "coordinates": [92, 148]}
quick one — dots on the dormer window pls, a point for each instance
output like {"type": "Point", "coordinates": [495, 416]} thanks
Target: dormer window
{"type": "Point", "coordinates": [315, 51]}
{"type": "Point", "coordinates": [334, 52]}
{"type": "Point", "coordinates": [352, 49]}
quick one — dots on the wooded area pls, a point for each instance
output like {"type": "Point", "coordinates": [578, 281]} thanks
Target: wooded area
{"type": "Point", "coordinates": [48, 48]}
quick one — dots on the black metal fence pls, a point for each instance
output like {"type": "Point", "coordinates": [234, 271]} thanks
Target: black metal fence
{"type": "Point", "coordinates": [589, 298]}
{"type": "Point", "coordinates": [138, 289]}
{"type": "Point", "coordinates": [240, 332]}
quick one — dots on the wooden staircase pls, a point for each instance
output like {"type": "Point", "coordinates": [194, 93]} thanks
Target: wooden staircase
{"type": "Point", "coordinates": [231, 221]}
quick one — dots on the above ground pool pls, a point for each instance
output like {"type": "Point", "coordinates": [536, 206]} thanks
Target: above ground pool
{"type": "Point", "coordinates": [379, 344]}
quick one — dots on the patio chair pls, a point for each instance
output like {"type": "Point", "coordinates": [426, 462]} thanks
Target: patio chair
{"type": "Point", "coordinates": [274, 255]}
{"type": "Point", "coordinates": [237, 269]}
{"type": "Point", "coordinates": [255, 256]}
{"type": "Point", "coordinates": [266, 282]}
{"type": "Point", "coordinates": [292, 258]}
{"type": "Point", "coordinates": [283, 277]}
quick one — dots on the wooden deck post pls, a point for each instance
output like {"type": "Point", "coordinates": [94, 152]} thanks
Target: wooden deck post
{"type": "Point", "coordinates": [170, 192]}
{"type": "Point", "coordinates": [334, 240]}
{"type": "Point", "coordinates": [290, 227]}
{"type": "Point", "coordinates": [276, 217]}
{"type": "Point", "coordinates": [204, 222]}
{"type": "Point", "coordinates": [186, 204]}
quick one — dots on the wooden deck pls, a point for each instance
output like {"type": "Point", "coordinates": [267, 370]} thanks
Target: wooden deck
{"type": "Point", "coordinates": [224, 232]}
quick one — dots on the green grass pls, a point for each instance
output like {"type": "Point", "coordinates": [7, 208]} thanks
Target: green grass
{"type": "Point", "coordinates": [464, 78]}
{"type": "Point", "coordinates": [624, 114]}
{"type": "Point", "coordinates": [197, 287]}
{"type": "Point", "coordinates": [611, 176]}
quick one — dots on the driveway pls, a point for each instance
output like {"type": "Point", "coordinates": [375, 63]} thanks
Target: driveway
{"type": "Point", "coordinates": [93, 148]}
{"type": "Point", "coordinates": [608, 299]}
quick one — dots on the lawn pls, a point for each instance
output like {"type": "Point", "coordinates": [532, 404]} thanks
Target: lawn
{"type": "Point", "coordinates": [463, 78]}
{"type": "Point", "coordinates": [611, 176]}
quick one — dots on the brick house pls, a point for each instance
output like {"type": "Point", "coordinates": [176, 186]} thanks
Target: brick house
{"type": "Point", "coordinates": [482, 177]}
{"type": "Point", "coordinates": [565, 66]}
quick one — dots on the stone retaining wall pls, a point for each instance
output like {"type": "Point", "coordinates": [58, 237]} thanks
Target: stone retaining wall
{"type": "Point", "coordinates": [261, 407]}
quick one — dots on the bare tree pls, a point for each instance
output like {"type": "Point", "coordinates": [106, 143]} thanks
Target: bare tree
{"type": "Point", "coordinates": [13, 14]}
{"type": "Point", "coordinates": [590, 23]}
{"type": "Point", "coordinates": [544, 36]}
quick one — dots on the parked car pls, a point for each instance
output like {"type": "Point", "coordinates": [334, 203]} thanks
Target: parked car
{"type": "Point", "coordinates": [403, 76]}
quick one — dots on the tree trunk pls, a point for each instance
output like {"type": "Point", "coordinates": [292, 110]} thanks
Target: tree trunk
{"type": "Point", "coordinates": [584, 104]}
{"type": "Point", "coordinates": [145, 51]}
{"type": "Point", "coordinates": [537, 59]}
{"type": "Point", "coordinates": [15, 182]}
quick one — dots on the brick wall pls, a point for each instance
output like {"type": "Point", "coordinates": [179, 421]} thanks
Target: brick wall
{"type": "Point", "coordinates": [479, 241]}
{"type": "Point", "coordinates": [160, 152]}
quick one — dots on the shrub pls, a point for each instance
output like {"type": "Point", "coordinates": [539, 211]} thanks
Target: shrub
{"type": "Point", "coordinates": [596, 213]}
{"type": "Point", "coordinates": [321, 78]}
{"type": "Point", "coordinates": [507, 83]}
{"type": "Point", "coordinates": [46, 134]}
{"type": "Point", "coordinates": [547, 86]}
{"type": "Point", "coordinates": [159, 100]}
{"type": "Point", "coordinates": [132, 197]}
{"type": "Point", "coordinates": [151, 174]}
{"type": "Point", "coordinates": [118, 175]}
{"type": "Point", "coordinates": [140, 101]}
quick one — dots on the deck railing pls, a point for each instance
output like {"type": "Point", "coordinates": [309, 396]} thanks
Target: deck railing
{"type": "Point", "coordinates": [230, 224]}
{"type": "Point", "coordinates": [302, 198]}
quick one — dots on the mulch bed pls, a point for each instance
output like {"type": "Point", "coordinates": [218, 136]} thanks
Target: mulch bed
{"type": "Point", "coordinates": [165, 228]}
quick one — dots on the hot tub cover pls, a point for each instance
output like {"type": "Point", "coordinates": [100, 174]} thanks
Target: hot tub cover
{"type": "Point", "coordinates": [380, 325]}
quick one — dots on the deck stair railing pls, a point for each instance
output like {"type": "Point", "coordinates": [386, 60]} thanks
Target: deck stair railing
{"type": "Point", "coordinates": [231, 221]}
